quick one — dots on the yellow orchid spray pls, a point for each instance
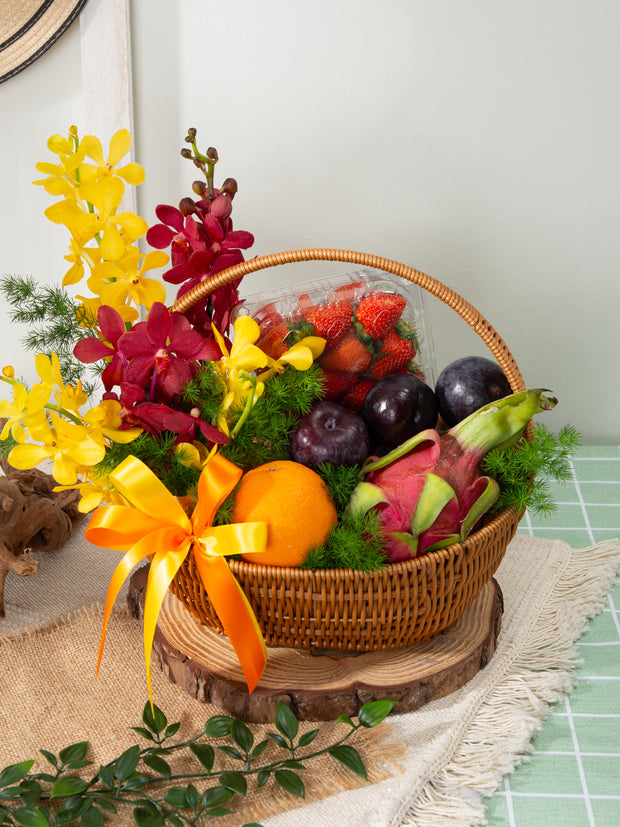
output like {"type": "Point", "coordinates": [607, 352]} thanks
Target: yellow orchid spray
{"type": "Point", "coordinates": [102, 243]}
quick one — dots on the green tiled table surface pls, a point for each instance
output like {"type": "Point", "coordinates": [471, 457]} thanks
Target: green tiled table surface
{"type": "Point", "coordinates": [573, 776]}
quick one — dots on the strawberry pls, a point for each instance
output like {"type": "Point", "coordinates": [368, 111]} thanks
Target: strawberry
{"type": "Point", "coordinates": [379, 311]}
{"type": "Point", "coordinates": [349, 355]}
{"type": "Point", "coordinates": [354, 399]}
{"type": "Point", "coordinates": [349, 292]}
{"type": "Point", "coordinates": [330, 321]}
{"type": "Point", "coordinates": [337, 382]}
{"type": "Point", "coordinates": [272, 339]}
{"type": "Point", "coordinates": [396, 353]}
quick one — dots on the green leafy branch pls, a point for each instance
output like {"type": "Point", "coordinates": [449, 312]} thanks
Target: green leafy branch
{"type": "Point", "coordinates": [65, 796]}
{"type": "Point", "coordinates": [56, 323]}
{"type": "Point", "coordinates": [525, 470]}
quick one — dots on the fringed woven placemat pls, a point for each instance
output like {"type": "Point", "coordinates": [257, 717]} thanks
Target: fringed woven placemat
{"type": "Point", "coordinates": [428, 768]}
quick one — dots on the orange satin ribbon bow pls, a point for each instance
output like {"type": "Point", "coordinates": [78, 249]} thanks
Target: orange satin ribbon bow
{"type": "Point", "coordinates": [155, 525]}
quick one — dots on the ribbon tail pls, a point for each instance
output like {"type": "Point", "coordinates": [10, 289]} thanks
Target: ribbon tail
{"type": "Point", "coordinates": [236, 615]}
{"type": "Point", "coordinates": [121, 572]}
{"type": "Point", "coordinates": [164, 566]}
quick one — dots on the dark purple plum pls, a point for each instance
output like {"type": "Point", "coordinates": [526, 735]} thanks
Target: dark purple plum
{"type": "Point", "coordinates": [329, 433]}
{"type": "Point", "coordinates": [398, 407]}
{"type": "Point", "coordinates": [467, 384]}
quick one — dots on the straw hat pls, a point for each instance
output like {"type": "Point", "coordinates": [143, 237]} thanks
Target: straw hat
{"type": "Point", "coordinates": [29, 27]}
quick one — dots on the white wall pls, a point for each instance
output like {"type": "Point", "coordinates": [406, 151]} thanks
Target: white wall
{"type": "Point", "coordinates": [475, 141]}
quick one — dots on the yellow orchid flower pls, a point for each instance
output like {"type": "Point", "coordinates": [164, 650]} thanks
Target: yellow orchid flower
{"type": "Point", "coordinates": [25, 411]}
{"type": "Point", "coordinates": [124, 281]}
{"type": "Point", "coordinates": [300, 355]}
{"type": "Point", "coordinates": [244, 355]}
{"type": "Point", "coordinates": [66, 396]}
{"type": "Point", "coordinates": [105, 422]}
{"type": "Point", "coordinates": [117, 230]}
{"type": "Point", "coordinates": [63, 178]}
{"type": "Point", "coordinates": [70, 447]}
{"type": "Point", "coordinates": [120, 144]}
{"type": "Point", "coordinates": [93, 492]}
{"type": "Point", "coordinates": [235, 367]}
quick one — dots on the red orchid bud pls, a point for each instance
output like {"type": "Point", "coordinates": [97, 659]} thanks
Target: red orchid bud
{"type": "Point", "coordinates": [187, 206]}
{"type": "Point", "coordinates": [199, 187]}
{"type": "Point", "coordinates": [191, 135]}
{"type": "Point", "coordinates": [221, 207]}
{"type": "Point", "coordinates": [229, 186]}
{"type": "Point", "coordinates": [212, 155]}
{"type": "Point", "coordinates": [186, 153]}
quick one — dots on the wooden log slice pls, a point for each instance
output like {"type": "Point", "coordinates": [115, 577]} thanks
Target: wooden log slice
{"type": "Point", "coordinates": [320, 687]}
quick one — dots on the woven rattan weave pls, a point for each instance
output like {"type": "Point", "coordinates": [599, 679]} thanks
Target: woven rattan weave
{"type": "Point", "coordinates": [403, 604]}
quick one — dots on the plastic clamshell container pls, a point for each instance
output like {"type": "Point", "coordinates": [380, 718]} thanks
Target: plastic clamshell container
{"type": "Point", "coordinates": [352, 367]}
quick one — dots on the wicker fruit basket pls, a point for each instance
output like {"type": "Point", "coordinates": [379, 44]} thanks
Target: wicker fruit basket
{"type": "Point", "coordinates": [348, 610]}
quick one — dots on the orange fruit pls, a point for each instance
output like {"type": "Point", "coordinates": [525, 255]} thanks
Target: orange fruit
{"type": "Point", "coordinates": [294, 502]}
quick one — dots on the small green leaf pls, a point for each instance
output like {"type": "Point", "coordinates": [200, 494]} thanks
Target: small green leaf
{"type": "Point", "coordinates": [106, 776]}
{"type": "Point", "coordinates": [14, 773]}
{"type": "Point", "coordinates": [73, 753]}
{"type": "Point", "coordinates": [344, 719]}
{"type": "Point", "coordinates": [278, 739]}
{"type": "Point", "coordinates": [154, 718]}
{"type": "Point", "coordinates": [126, 763]}
{"type": "Point", "coordinates": [71, 809]}
{"type": "Point", "coordinates": [262, 778]}
{"type": "Point", "coordinates": [175, 797]}
{"type": "Point", "coordinates": [292, 765]}
{"type": "Point", "coordinates": [259, 749]}
{"type": "Point", "coordinates": [216, 812]}
{"type": "Point", "coordinates": [291, 782]}
{"type": "Point", "coordinates": [68, 785]}
{"type": "Point", "coordinates": [92, 818]}
{"type": "Point", "coordinates": [106, 805]}
{"type": "Point", "coordinates": [232, 753]}
{"type": "Point", "coordinates": [216, 796]}
{"type": "Point", "coordinates": [374, 712]}
{"type": "Point", "coordinates": [241, 735]}
{"type": "Point", "coordinates": [172, 729]}
{"type": "Point", "coordinates": [158, 765]}
{"type": "Point", "coordinates": [29, 817]}
{"type": "Point", "coordinates": [307, 737]}
{"type": "Point", "coordinates": [144, 817]}
{"type": "Point", "coordinates": [192, 796]}
{"type": "Point", "coordinates": [136, 780]}
{"type": "Point", "coordinates": [49, 757]}
{"type": "Point", "coordinates": [29, 791]}
{"type": "Point", "coordinates": [77, 765]}
{"type": "Point", "coordinates": [350, 758]}
{"type": "Point", "coordinates": [234, 781]}
{"type": "Point", "coordinates": [286, 721]}
{"type": "Point", "coordinates": [175, 821]}
{"type": "Point", "coordinates": [143, 731]}
{"type": "Point", "coordinates": [205, 754]}
{"type": "Point", "coordinates": [218, 725]}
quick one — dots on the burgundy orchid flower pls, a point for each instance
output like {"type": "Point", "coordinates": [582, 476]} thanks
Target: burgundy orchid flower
{"type": "Point", "coordinates": [92, 349]}
{"type": "Point", "coordinates": [202, 243]}
{"type": "Point", "coordinates": [162, 352]}
{"type": "Point", "coordinates": [155, 418]}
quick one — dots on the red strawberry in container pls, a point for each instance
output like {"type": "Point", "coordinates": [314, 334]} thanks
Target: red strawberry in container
{"type": "Point", "coordinates": [378, 312]}
{"type": "Point", "coordinates": [274, 331]}
{"type": "Point", "coordinates": [397, 352]}
{"type": "Point", "coordinates": [330, 321]}
{"type": "Point", "coordinates": [337, 383]}
{"type": "Point", "coordinates": [348, 355]}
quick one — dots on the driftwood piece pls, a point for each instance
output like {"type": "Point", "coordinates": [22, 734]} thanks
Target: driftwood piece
{"type": "Point", "coordinates": [320, 686]}
{"type": "Point", "coordinates": [33, 517]}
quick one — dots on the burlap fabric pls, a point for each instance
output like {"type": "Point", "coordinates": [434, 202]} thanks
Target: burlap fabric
{"type": "Point", "coordinates": [430, 767]}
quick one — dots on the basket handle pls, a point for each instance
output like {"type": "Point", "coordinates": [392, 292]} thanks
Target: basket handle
{"type": "Point", "coordinates": [466, 311]}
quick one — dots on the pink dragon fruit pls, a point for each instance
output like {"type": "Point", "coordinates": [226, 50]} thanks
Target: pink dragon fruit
{"type": "Point", "coordinates": [429, 492]}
